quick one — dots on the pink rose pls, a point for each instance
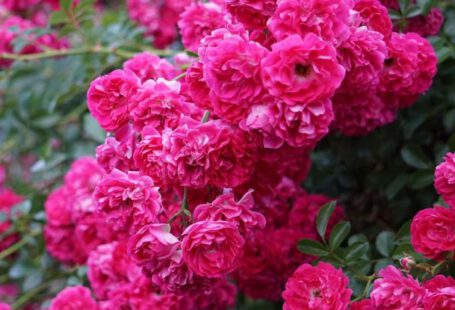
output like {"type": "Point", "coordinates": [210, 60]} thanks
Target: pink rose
{"type": "Point", "coordinates": [108, 98]}
{"type": "Point", "coordinates": [302, 70]}
{"type": "Point", "coordinates": [252, 14]}
{"type": "Point", "coordinates": [128, 200]}
{"type": "Point", "coordinates": [225, 208]}
{"type": "Point", "coordinates": [232, 71]}
{"type": "Point", "coordinates": [222, 295]}
{"type": "Point", "coordinates": [440, 293]}
{"type": "Point", "coordinates": [211, 249]}
{"type": "Point", "coordinates": [328, 19]}
{"type": "Point", "coordinates": [362, 55]}
{"type": "Point", "coordinates": [394, 291]}
{"type": "Point", "coordinates": [197, 88]}
{"type": "Point", "coordinates": [197, 21]}
{"type": "Point", "coordinates": [444, 179]}
{"type": "Point", "coordinates": [410, 67]}
{"type": "Point", "coordinates": [428, 25]}
{"type": "Point", "coordinates": [358, 114]}
{"type": "Point", "coordinates": [432, 232]}
{"type": "Point", "coordinates": [159, 104]}
{"type": "Point", "coordinates": [374, 16]}
{"type": "Point", "coordinates": [152, 244]}
{"type": "Point", "coordinates": [317, 287]}
{"type": "Point", "coordinates": [361, 305]}
{"type": "Point", "coordinates": [75, 297]}
{"type": "Point", "coordinates": [115, 154]}
{"type": "Point", "coordinates": [148, 66]}
{"type": "Point", "coordinates": [4, 306]}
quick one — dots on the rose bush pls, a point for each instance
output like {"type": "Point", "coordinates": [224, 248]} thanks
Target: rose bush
{"type": "Point", "coordinates": [227, 154]}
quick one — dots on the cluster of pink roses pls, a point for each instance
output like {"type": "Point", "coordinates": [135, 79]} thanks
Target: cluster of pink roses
{"type": "Point", "coordinates": [17, 17]}
{"type": "Point", "coordinates": [197, 185]}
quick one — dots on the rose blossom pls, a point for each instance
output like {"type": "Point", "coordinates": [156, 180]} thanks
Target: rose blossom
{"type": "Point", "coordinates": [4, 306]}
{"type": "Point", "coordinates": [108, 98]}
{"type": "Point", "coordinates": [432, 232]}
{"type": "Point", "coordinates": [361, 305]}
{"type": "Point", "coordinates": [317, 287]}
{"type": "Point", "coordinates": [151, 244]}
{"type": "Point", "coordinates": [148, 66]}
{"type": "Point", "coordinates": [197, 21]}
{"type": "Point", "coordinates": [128, 200]}
{"type": "Point", "coordinates": [428, 25]}
{"type": "Point", "coordinates": [362, 55]}
{"type": "Point", "coordinates": [374, 16]}
{"type": "Point", "coordinates": [221, 296]}
{"type": "Point", "coordinates": [197, 88]}
{"type": "Point", "coordinates": [444, 179]}
{"type": "Point", "coordinates": [410, 67]}
{"type": "Point", "coordinates": [231, 66]}
{"type": "Point", "coordinates": [440, 293]}
{"type": "Point", "coordinates": [302, 70]}
{"type": "Point", "coordinates": [211, 248]}
{"type": "Point", "coordinates": [252, 14]}
{"type": "Point", "coordinates": [358, 114]}
{"type": "Point", "coordinates": [328, 19]}
{"type": "Point", "coordinates": [8, 199]}
{"type": "Point", "coordinates": [196, 154]}
{"type": "Point", "coordinates": [114, 154]}
{"type": "Point", "coordinates": [75, 297]}
{"type": "Point", "coordinates": [225, 208]}
{"type": "Point", "coordinates": [159, 104]}
{"type": "Point", "coordinates": [394, 291]}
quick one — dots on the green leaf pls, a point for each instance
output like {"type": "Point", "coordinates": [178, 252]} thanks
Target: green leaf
{"type": "Point", "coordinates": [323, 218]}
{"type": "Point", "coordinates": [414, 156]}
{"type": "Point", "coordinates": [413, 12]}
{"type": "Point", "coordinates": [58, 17]}
{"type": "Point", "coordinates": [394, 15]}
{"type": "Point", "coordinates": [339, 233]}
{"type": "Point", "coordinates": [312, 247]}
{"type": "Point", "coordinates": [404, 4]}
{"type": "Point", "coordinates": [356, 250]}
{"type": "Point", "coordinates": [385, 243]}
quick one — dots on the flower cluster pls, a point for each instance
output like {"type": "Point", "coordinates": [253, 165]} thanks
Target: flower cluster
{"type": "Point", "coordinates": [13, 27]}
{"type": "Point", "coordinates": [197, 185]}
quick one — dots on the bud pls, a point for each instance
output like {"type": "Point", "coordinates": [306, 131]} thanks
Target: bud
{"type": "Point", "coordinates": [407, 262]}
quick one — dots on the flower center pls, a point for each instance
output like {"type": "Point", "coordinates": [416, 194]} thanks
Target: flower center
{"type": "Point", "coordinates": [302, 70]}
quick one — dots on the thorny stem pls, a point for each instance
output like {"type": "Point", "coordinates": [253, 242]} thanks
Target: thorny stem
{"type": "Point", "coordinates": [79, 51]}
{"type": "Point", "coordinates": [18, 245]}
{"type": "Point", "coordinates": [183, 206]}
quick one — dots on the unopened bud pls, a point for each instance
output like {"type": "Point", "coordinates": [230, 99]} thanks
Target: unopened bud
{"type": "Point", "coordinates": [407, 262]}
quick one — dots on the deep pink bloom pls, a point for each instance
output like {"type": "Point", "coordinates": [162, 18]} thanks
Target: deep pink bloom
{"type": "Point", "coordinates": [253, 14]}
{"type": "Point", "coordinates": [440, 293]}
{"type": "Point", "coordinates": [394, 291]}
{"type": "Point", "coordinates": [362, 55]}
{"type": "Point", "coordinates": [149, 66]}
{"type": "Point", "coordinates": [221, 296]}
{"type": "Point", "coordinates": [302, 70]}
{"type": "Point", "coordinates": [108, 98]}
{"type": "Point", "coordinates": [410, 67]}
{"type": "Point", "coordinates": [358, 114]}
{"type": "Point", "coordinates": [197, 88]}
{"type": "Point", "coordinates": [128, 200]}
{"type": "Point", "coordinates": [432, 232]}
{"type": "Point", "coordinates": [444, 179]}
{"type": "Point", "coordinates": [232, 71]}
{"type": "Point", "coordinates": [58, 207]}
{"type": "Point", "coordinates": [328, 19]}
{"type": "Point", "coordinates": [109, 267]}
{"type": "Point", "coordinates": [374, 16]}
{"type": "Point", "coordinates": [159, 104]}
{"type": "Point", "coordinates": [4, 306]}
{"type": "Point", "coordinates": [152, 245]}
{"type": "Point", "coordinates": [319, 287]}
{"type": "Point", "coordinates": [196, 154]}
{"type": "Point", "coordinates": [74, 298]}
{"type": "Point", "coordinates": [213, 248]}
{"type": "Point", "coordinates": [225, 208]}
{"type": "Point", "coordinates": [199, 20]}
{"type": "Point", "coordinates": [428, 25]}
{"type": "Point", "coordinates": [115, 154]}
